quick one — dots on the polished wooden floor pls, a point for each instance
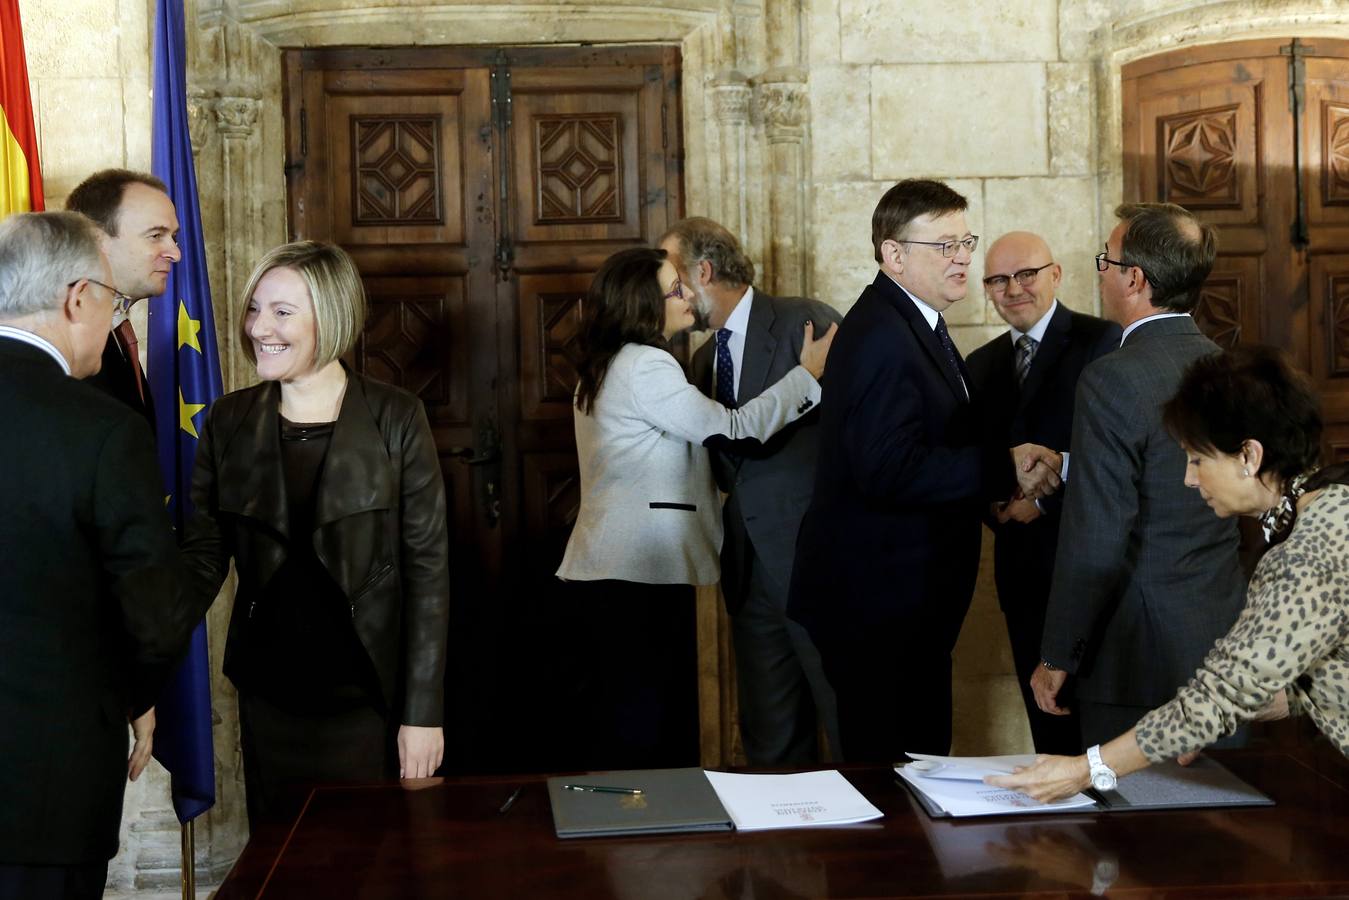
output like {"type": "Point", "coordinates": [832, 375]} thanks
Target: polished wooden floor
{"type": "Point", "coordinates": [451, 840]}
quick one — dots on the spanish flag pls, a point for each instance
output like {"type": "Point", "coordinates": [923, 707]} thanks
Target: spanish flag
{"type": "Point", "coordinates": [20, 174]}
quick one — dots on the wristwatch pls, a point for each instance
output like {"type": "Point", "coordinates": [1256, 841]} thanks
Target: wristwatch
{"type": "Point", "coordinates": [1103, 778]}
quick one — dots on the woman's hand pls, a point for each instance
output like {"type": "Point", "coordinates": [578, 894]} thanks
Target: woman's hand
{"type": "Point", "coordinates": [1276, 708]}
{"type": "Point", "coordinates": [1050, 778]}
{"type": "Point", "coordinates": [814, 352]}
{"type": "Point", "coordinates": [420, 751]}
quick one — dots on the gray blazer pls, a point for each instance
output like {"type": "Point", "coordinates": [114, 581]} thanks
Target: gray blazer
{"type": "Point", "coordinates": [769, 490]}
{"type": "Point", "coordinates": [649, 508]}
{"type": "Point", "coordinates": [1147, 577]}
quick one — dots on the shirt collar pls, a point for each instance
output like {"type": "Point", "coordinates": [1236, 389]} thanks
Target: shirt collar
{"type": "Point", "coordinates": [1153, 318]}
{"type": "Point", "coordinates": [1037, 331]}
{"type": "Point", "coordinates": [738, 320]}
{"type": "Point", "coordinates": [929, 314]}
{"type": "Point", "coordinates": [38, 341]}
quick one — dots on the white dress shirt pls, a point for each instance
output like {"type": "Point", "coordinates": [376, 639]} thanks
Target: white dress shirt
{"type": "Point", "coordinates": [1153, 318]}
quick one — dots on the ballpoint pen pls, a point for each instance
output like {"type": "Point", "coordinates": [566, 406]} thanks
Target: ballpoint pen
{"type": "Point", "coordinates": [510, 801]}
{"type": "Point", "coordinates": [601, 789]}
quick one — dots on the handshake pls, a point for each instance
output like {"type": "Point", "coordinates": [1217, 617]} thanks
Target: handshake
{"type": "Point", "coordinates": [1037, 475]}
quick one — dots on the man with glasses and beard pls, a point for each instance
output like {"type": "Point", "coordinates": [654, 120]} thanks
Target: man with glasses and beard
{"type": "Point", "coordinates": [1025, 381]}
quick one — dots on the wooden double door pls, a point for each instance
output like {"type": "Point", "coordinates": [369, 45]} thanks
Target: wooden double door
{"type": "Point", "coordinates": [478, 191]}
{"type": "Point", "coordinates": [1253, 137]}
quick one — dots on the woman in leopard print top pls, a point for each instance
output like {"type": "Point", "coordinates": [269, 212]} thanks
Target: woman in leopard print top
{"type": "Point", "coordinates": [1251, 429]}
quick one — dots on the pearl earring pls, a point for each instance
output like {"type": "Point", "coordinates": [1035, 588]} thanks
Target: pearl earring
{"type": "Point", "coordinates": [1245, 472]}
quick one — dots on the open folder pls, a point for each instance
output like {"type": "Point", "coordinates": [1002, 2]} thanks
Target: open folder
{"type": "Point", "coordinates": [953, 786]}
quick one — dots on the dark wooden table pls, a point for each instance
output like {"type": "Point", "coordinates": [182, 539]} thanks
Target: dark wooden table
{"type": "Point", "coordinates": [449, 840]}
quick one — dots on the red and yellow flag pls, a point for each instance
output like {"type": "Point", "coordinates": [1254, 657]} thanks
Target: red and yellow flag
{"type": "Point", "coordinates": [20, 174]}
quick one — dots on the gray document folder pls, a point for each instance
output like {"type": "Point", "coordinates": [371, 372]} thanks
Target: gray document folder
{"type": "Point", "coordinates": [672, 800]}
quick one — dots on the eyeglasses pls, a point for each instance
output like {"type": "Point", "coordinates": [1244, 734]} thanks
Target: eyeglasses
{"type": "Point", "coordinates": [948, 248]}
{"type": "Point", "coordinates": [676, 290]}
{"type": "Point", "coordinates": [1024, 278]}
{"type": "Point", "coordinates": [120, 302]}
{"type": "Point", "coordinates": [1104, 262]}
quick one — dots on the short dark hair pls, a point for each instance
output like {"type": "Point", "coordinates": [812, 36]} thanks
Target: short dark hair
{"type": "Point", "coordinates": [701, 239]}
{"type": "Point", "coordinates": [1173, 248]}
{"type": "Point", "coordinates": [623, 306]}
{"type": "Point", "coordinates": [100, 195]}
{"type": "Point", "coordinates": [1249, 392]}
{"type": "Point", "coordinates": [905, 202]}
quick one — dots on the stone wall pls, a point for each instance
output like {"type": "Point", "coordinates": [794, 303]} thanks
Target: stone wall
{"type": "Point", "coordinates": [797, 115]}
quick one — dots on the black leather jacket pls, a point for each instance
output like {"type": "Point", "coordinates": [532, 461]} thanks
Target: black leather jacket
{"type": "Point", "coordinates": [380, 528]}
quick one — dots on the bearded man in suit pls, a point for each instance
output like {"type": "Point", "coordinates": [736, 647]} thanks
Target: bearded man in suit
{"type": "Point", "coordinates": [139, 235]}
{"type": "Point", "coordinates": [91, 617]}
{"type": "Point", "coordinates": [1147, 578]}
{"type": "Point", "coordinates": [1025, 381]}
{"type": "Point", "coordinates": [783, 696]}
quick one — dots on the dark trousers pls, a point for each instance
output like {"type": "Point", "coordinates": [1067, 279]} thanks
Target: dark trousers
{"type": "Point", "coordinates": [1052, 734]}
{"type": "Point", "coordinates": [283, 752]}
{"type": "Point", "coordinates": [630, 669]}
{"type": "Point", "coordinates": [783, 695]}
{"type": "Point", "coordinates": [84, 881]}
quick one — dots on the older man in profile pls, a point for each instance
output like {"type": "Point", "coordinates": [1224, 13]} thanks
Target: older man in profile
{"type": "Point", "coordinates": [91, 618]}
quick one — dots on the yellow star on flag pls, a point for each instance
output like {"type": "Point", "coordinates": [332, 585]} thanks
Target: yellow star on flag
{"type": "Point", "coordinates": [185, 413]}
{"type": "Point", "coordinates": [188, 328]}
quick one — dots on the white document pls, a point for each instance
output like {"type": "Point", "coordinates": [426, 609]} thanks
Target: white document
{"type": "Point", "coordinates": [955, 784]}
{"type": "Point", "coordinates": [803, 799]}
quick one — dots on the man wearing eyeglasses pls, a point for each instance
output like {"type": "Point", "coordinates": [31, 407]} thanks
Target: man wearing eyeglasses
{"type": "Point", "coordinates": [1025, 381]}
{"type": "Point", "coordinates": [1147, 578]}
{"type": "Point", "coordinates": [889, 549]}
{"type": "Point", "coordinates": [140, 239]}
{"type": "Point", "coordinates": [91, 619]}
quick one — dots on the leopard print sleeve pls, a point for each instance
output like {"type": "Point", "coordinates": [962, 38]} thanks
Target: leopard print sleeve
{"type": "Point", "coordinates": [1291, 635]}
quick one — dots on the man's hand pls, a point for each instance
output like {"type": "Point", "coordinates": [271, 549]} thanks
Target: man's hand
{"type": "Point", "coordinates": [1018, 509]}
{"type": "Point", "coordinates": [1046, 683]}
{"type": "Point", "coordinates": [815, 351]}
{"type": "Point", "coordinates": [143, 730]}
{"type": "Point", "coordinates": [1037, 470]}
{"type": "Point", "coordinates": [420, 751]}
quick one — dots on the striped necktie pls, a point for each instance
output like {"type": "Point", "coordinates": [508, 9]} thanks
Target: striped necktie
{"type": "Point", "coordinates": [1025, 352]}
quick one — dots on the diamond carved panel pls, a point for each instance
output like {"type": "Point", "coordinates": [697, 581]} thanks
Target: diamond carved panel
{"type": "Point", "coordinates": [1339, 325]}
{"type": "Point", "coordinates": [580, 168]}
{"type": "Point", "coordinates": [560, 326]}
{"type": "Point", "coordinates": [1336, 155]}
{"type": "Point", "coordinates": [396, 176]}
{"type": "Point", "coordinates": [1199, 159]}
{"type": "Point", "coordinates": [404, 344]}
{"type": "Point", "coordinates": [1218, 313]}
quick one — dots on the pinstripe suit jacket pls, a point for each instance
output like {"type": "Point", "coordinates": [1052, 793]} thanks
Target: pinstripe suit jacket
{"type": "Point", "coordinates": [1147, 577]}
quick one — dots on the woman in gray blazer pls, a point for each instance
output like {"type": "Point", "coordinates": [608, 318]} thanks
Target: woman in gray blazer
{"type": "Point", "coordinates": [649, 526]}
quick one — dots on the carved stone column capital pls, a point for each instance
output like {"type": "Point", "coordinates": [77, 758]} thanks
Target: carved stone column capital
{"type": "Point", "coordinates": [236, 116]}
{"type": "Point", "coordinates": [783, 105]}
{"type": "Point", "coordinates": [199, 103]}
{"type": "Point", "coordinates": [731, 96]}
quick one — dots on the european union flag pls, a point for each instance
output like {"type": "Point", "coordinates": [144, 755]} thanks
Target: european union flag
{"type": "Point", "coordinates": [184, 379]}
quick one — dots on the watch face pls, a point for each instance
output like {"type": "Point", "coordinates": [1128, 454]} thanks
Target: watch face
{"type": "Point", "coordinates": [1103, 781]}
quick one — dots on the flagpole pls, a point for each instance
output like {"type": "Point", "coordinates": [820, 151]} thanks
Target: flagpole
{"type": "Point", "coordinates": [189, 851]}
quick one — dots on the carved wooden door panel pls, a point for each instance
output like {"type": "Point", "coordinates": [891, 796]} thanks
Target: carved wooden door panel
{"type": "Point", "coordinates": [1253, 136]}
{"type": "Point", "coordinates": [478, 190]}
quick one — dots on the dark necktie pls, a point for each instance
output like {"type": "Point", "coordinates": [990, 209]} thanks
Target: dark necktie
{"type": "Point", "coordinates": [944, 337]}
{"type": "Point", "coordinates": [126, 340]}
{"type": "Point", "coordinates": [725, 369]}
{"type": "Point", "coordinates": [1025, 352]}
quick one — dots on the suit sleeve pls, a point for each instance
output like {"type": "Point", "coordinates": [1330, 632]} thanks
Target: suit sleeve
{"type": "Point", "coordinates": [663, 396]}
{"type": "Point", "coordinates": [206, 555]}
{"type": "Point", "coordinates": [140, 560]}
{"type": "Point", "coordinates": [1107, 341]}
{"type": "Point", "coordinates": [1100, 511]}
{"type": "Point", "coordinates": [425, 572]}
{"type": "Point", "coordinates": [889, 453]}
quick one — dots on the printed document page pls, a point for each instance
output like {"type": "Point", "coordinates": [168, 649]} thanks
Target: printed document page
{"type": "Point", "coordinates": [955, 784]}
{"type": "Point", "coordinates": [756, 802]}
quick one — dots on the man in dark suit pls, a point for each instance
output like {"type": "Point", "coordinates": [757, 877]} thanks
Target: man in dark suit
{"type": "Point", "coordinates": [1147, 578]}
{"type": "Point", "coordinates": [1024, 382]}
{"type": "Point", "coordinates": [783, 695]}
{"type": "Point", "coordinates": [140, 239]}
{"type": "Point", "coordinates": [91, 619]}
{"type": "Point", "coordinates": [889, 548]}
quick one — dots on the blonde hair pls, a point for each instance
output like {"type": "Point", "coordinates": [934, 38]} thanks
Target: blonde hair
{"type": "Point", "coordinates": [335, 289]}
